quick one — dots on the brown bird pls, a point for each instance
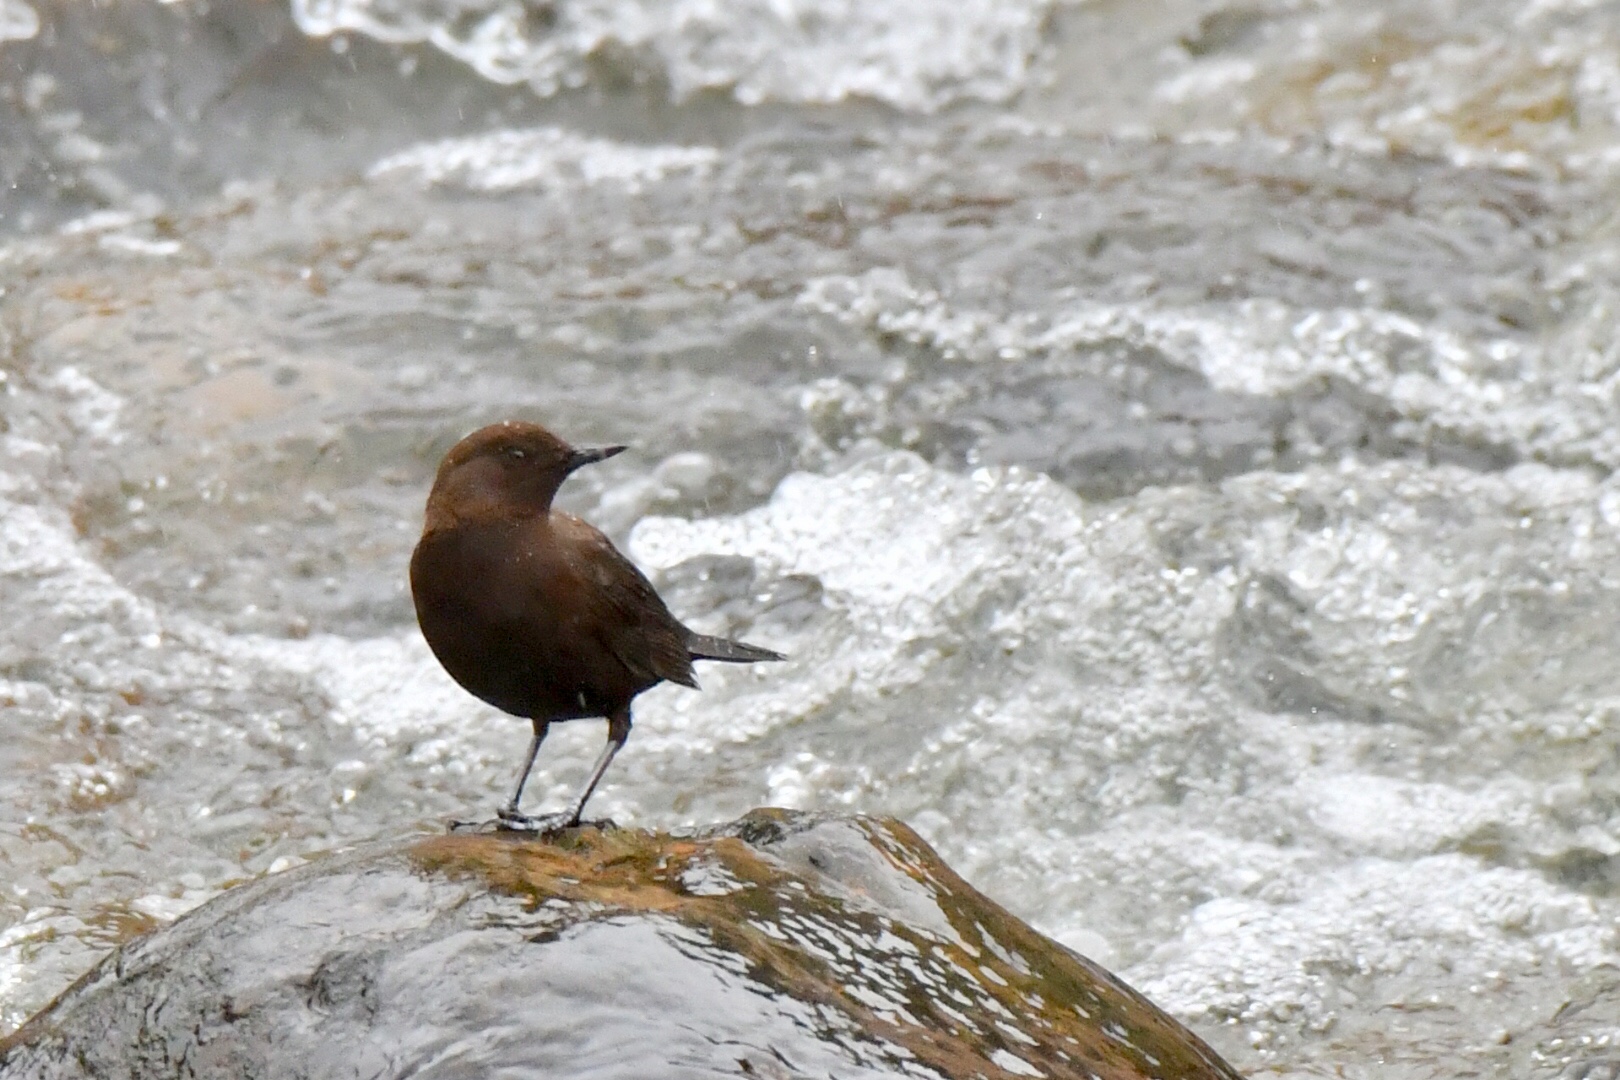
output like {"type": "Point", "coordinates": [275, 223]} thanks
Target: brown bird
{"type": "Point", "coordinates": [535, 611]}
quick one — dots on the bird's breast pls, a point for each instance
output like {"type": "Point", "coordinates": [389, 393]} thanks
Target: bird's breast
{"type": "Point", "coordinates": [504, 618]}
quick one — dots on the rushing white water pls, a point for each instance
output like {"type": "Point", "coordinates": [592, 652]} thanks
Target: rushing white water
{"type": "Point", "coordinates": [1177, 453]}
{"type": "Point", "coordinates": [1112, 748]}
{"type": "Point", "coordinates": [918, 54]}
{"type": "Point", "coordinates": [18, 21]}
{"type": "Point", "coordinates": [547, 158]}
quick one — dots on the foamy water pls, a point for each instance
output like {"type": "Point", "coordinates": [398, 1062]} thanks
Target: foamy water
{"type": "Point", "coordinates": [917, 54]}
{"type": "Point", "coordinates": [1181, 474]}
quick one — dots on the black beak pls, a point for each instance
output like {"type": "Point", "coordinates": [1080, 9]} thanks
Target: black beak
{"type": "Point", "coordinates": [592, 455]}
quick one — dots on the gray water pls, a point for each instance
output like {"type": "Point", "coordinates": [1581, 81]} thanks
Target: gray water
{"type": "Point", "coordinates": [1176, 444]}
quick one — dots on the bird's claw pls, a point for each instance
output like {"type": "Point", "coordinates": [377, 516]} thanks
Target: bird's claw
{"type": "Point", "coordinates": [507, 821]}
{"type": "Point", "coordinates": [459, 825]}
{"type": "Point", "coordinates": [510, 820]}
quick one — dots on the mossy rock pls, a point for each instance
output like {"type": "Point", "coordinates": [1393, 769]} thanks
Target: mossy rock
{"type": "Point", "coordinates": [782, 945]}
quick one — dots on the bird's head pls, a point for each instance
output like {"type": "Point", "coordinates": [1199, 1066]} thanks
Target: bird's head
{"type": "Point", "coordinates": [507, 470]}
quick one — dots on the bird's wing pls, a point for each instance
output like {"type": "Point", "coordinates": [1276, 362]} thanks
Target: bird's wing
{"type": "Point", "coordinates": [637, 627]}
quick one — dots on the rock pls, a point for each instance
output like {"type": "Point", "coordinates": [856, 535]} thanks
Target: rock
{"type": "Point", "coordinates": [783, 945]}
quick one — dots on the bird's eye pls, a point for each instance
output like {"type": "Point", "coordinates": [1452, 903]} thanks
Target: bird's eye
{"type": "Point", "coordinates": [516, 452]}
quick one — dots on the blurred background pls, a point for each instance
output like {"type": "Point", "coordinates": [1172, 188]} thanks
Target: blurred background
{"type": "Point", "coordinates": [1174, 440]}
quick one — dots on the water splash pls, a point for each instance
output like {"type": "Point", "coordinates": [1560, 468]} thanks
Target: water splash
{"type": "Point", "coordinates": [920, 54]}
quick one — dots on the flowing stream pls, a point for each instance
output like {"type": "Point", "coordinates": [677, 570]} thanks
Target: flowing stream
{"type": "Point", "coordinates": [1176, 444]}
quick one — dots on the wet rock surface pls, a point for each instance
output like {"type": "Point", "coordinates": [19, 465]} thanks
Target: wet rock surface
{"type": "Point", "coordinates": [781, 945]}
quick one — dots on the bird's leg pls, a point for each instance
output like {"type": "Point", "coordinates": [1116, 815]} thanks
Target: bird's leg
{"type": "Point", "coordinates": [618, 732]}
{"type": "Point", "coordinates": [509, 814]}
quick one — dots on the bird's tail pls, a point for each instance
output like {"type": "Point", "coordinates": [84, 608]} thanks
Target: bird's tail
{"type": "Point", "coordinates": [704, 647]}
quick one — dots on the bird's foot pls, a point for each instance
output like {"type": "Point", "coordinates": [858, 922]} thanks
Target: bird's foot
{"type": "Point", "coordinates": [489, 825]}
{"type": "Point", "coordinates": [508, 820]}
{"type": "Point", "coordinates": [512, 821]}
